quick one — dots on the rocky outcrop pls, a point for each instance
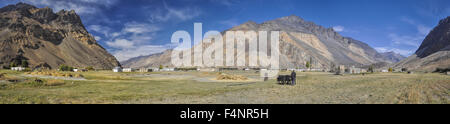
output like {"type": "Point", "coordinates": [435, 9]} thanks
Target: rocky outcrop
{"type": "Point", "coordinates": [44, 38]}
{"type": "Point", "coordinates": [434, 52]}
{"type": "Point", "coordinates": [301, 42]}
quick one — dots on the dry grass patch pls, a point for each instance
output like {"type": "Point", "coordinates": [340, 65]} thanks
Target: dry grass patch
{"type": "Point", "coordinates": [231, 77]}
{"type": "Point", "coordinates": [52, 82]}
{"type": "Point", "coordinates": [55, 74]}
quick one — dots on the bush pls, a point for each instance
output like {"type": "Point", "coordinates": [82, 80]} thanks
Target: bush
{"type": "Point", "coordinates": [404, 69]}
{"type": "Point", "coordinates": [65, 68]}
{"type": "Point", "coordinates": [90, 68]}
{"type": "Point", "coordinates": [442, 70]}
{"type": "Point", "coordinates": [36, 83]}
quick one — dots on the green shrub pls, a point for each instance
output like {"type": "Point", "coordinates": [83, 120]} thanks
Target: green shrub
{"type": "Point", "coordinates": [65, 68]}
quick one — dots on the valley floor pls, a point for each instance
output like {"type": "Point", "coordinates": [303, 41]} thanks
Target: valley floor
{"type": "Point", "coordinates": [201, 87]}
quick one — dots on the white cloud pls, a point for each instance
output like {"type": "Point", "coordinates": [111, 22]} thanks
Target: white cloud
{"type": "Point", "coordinates": [98, 38]}
{"type": "Point", "coordinates": [412, 41]}
{"type": "Point", "coordinates": [338, 28]}
{"type": "Point", "coordinates": [134, 40]}
{"type": "Point", "coordinates": [178, 14]}
{"type": "Point", "coordinates": [135, 27]}
{"type": "Point", "coordinates": [121, 44]}
{"type": "Point", "coordinates": [224, 2]}
{"type": "Point", "coordinates": [100, 29]}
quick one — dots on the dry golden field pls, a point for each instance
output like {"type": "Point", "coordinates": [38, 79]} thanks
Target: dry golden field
{"type": "Point", "coordinates": [203, 88]}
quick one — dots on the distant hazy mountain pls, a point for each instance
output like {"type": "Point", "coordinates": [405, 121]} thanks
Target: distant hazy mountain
{"type": "Point", "coordinates": [300, 41]}
{"type": "Point", "coordinates": [392, 56]}
{"type": "Point", "coordinates": [41, 37]}
{"type": "Point", "coordinates": [434, 51]}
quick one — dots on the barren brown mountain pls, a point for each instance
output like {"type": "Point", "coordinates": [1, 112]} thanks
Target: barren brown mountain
{"type": "Point", "coordinates": [300, 41]}
{"type": "Point", "coordinates": [434, 52]}
{"type": "Point", "coordinates": [40, 37]}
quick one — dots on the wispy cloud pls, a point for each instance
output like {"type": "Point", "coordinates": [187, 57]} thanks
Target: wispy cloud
{"type": "Point", "coordinates": [225, 2]}
{"type": "Point", "coordinates": [168, 13]}
{"type": "Point", "coordinates": [133, 40]}
{"type": "Point", "coordinates": [338, 28]}
{"type": "Point", "coordinates": [409, 41]}
{"type": "Point", "coordinates": [412, 41]}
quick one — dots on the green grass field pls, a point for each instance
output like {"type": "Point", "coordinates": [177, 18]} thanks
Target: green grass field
{"type": "Point", "coordinates": [199, 87]}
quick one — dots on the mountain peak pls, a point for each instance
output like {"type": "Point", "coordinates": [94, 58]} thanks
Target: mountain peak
{"type": "Point", "coordinates": [445, 21]}
{"type": "Point", "coordinates": [437, 40]}
{"type": "Point", "coordinates": [17, 7]}
{"type": "Point", "coordinates": [59, 38]}
{"type": "Point", "coordinates": [291, 18]}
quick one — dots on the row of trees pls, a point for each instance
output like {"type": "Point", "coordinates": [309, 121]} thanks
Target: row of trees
{"type": "Point", "coordinates": [23, 63]}
{"type": "Point", "coordinates": [70, 68]}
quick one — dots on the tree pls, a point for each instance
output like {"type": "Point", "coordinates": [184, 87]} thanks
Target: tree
{"type": "Point", "coordinates": [404, 69]}
{"type": "Point", "coordinates": [12, 64]}
{"type": "Point", "coordinates": [24, 63]}
{"type": "Point", "coordinates": [390, 70]}
{"type": "Point", "coordinates": [371, 69]}
{"type": "Point", "coordinates": [65, 68]}
{"type": "Point", "coordinates": [161, 67]}
{"type": "Point", "coordinates": [308, 65]}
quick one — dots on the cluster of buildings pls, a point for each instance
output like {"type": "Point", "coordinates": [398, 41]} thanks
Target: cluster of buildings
{"type": "Point", "coordinates": [120, 69]}
{"type": "Point", "coordinates": [18, 68]}
{"type": "Point", "coordinates": [349, 70]}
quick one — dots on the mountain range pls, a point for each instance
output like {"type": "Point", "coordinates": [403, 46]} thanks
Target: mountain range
{"type": "Point", "coordinates": [300, 42]}
{"type": "Point", "coordinates": [40, 37]}
{"type": "Point", "coordinates": [434, 52]}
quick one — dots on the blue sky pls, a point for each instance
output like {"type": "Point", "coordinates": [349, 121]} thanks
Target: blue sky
{"type": "Point", "coordinates": [131, 28]}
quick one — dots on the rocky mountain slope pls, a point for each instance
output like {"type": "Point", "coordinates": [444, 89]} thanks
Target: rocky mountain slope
{"type": "Point", "coordinates": [41, 37]}
{"type": "Point", "coordinates": [300, 41]}
{"type": "Point", "coordinates": [434, 51]}
{"type": "Point", "coordinates": [392, 57]}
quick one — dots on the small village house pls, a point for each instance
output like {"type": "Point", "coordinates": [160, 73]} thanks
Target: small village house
{"type": "Point", "coordinates": [168, 69]}
{"type": "Point", "coordinates": [145, 70]}
{"type": "Point", "coordinates": [207, 69]}
{"type": "Point", "coordinates": [80, 70]}
{"type": "Point", "coordinates": [127, 70]}
{"type": "Point", "coordinates": [117, 69]}
{"type": "Point", "coordinates": [18, 68]}
{"type": "Point", "coordinates": [155, 69]}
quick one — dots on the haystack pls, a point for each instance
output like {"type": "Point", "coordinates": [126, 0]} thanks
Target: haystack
{"type": "Point", "coordinates": [231, 77]}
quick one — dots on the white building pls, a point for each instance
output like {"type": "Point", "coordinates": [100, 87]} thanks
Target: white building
{"type": "Point", "coordinates": [384, 71]}
{"type": "Point", "coordinates": [128, 70]}
{"type": "Point", "coordinates": [168, 69]}
{"type": "Point", "coordinates": [155, 69]}
{"type": "Point", "coordinates": [207, 69]}
{"type": "Point", "coordinates": [79, 70]}
{"type": "Point", "coordinates": [117, 69]}
{"type": "Point", "coordinates": [18, 68]}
